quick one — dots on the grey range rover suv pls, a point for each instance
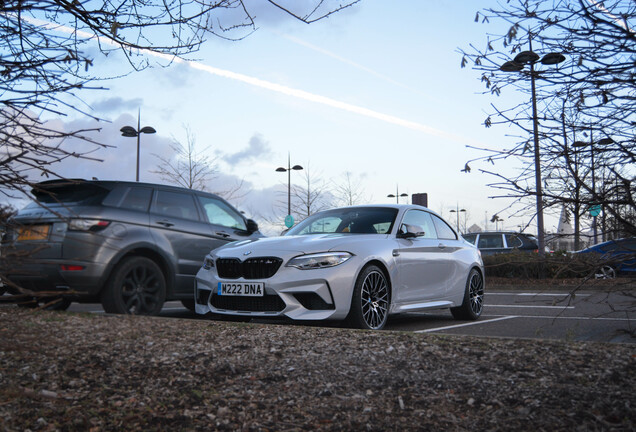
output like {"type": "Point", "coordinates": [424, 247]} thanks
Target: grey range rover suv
{"type": "Point", "coordinates": [131, 246]}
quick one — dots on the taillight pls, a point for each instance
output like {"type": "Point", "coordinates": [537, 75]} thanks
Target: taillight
{"type": "Point", "coordinates": [93, 225]}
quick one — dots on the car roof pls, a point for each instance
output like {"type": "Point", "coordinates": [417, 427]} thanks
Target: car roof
{"type": "Point", "coordinates": [402, 207]}
{"type": "Point", "coordinates": [109, 184]}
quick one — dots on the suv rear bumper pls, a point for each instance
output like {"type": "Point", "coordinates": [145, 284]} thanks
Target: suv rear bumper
{"type": "Point", "coordinates": [47, 275]}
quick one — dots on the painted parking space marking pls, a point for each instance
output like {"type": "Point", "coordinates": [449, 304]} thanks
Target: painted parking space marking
{"type": "Point", "coordinates": [527, 306]}
{"type": "Point", "coordinates": [466, 324]}
{"type": "Point", "coordinates": [534, 294]}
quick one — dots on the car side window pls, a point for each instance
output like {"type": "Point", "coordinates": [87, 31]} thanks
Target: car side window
{"type": "Point", "coordinates": [490, 241]}
{"type": "Point", "coordinates": [175, 204]}
{"type": "Point", "coordinates": [470, 238]}
{"type": "Point", "coordinates": [420, 221]}
{"type": "Point", "coordinates": [444, 231]}
{"type": "Point", "coordinates": [218, 212]}
{"type": "Point", "coordinates": [137, 198]}
{"type": "Point", "coordinates": [513, 241]}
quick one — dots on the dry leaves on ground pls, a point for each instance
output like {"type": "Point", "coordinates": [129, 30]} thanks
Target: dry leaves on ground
{"type": "Point", "coordinates": [63, 371]}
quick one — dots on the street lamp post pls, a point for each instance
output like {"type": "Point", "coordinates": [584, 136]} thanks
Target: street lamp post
{"type": "Point", "coordinates": [289, 170]}
{"type": "Point", "coordinates": [129, 131]}
{"type": "Point", "coordinates": [457, 214]}
{"type": "Point", "coordinates": [516, 65]}
{"type": "Point", "coordinates": [397, 195]}
{"type": "Point", "coordinates": [593, 211]}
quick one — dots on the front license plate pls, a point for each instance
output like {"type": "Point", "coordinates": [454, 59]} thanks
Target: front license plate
{"type": "Point", "coordinates": [34, 232]}
{"type": "Point", "coordinates": [242, 289]}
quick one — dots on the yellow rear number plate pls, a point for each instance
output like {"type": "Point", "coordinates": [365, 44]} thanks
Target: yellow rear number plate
{"type": "Point", "coordinates": [34, 232]}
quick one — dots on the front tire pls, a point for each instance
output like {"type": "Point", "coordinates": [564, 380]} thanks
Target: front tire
{"type": "Point", "coordinates": [371, 300]}
{"type": "Point", "coordinates": [605, 272]}
{"type": "Point", "coordinates": [137, 286]}
{"type": "Point", "coordinates": [473, 303]}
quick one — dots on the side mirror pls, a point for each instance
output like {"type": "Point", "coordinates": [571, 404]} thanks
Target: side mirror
{"type": "Point", "coordinates": [410, 231]}
{"type": "Point", "coordinates": [252, 226]}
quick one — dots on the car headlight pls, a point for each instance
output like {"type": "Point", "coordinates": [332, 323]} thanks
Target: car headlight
{"type": "Point", "coordinates": [319, 260]}
{"type": "Point", "coordinates": [208, 263]}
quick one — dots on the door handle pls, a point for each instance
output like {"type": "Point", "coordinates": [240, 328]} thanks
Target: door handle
{"type": "Point", "coordinates": [441, 246]}
{"type": "Point", "coordinates": [165, 223]}
{"type": "Point", "coordinates": [222, 234]}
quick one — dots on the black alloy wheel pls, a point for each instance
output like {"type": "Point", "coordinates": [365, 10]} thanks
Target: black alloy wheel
{"type": "Point", "coordinates": [137, 287]}
{"type": "Point", "coordinates": [371, 299]}
{"type": "Point", "coordinates": [473, 303]}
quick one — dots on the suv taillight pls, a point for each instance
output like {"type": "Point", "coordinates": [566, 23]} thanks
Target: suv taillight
{"type": "Point", "coordinates": [93, 225]}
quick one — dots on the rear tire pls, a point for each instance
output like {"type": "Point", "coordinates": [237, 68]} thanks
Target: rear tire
{"type": "Point", "coordinates": [137, 286]}
{"type": "Point", "coordinates": [473, 303]}
{"type": "Point", "coordinates": [56, 304]}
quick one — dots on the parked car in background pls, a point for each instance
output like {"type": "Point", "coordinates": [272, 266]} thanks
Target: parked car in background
{"type": "Point", "coordinates": [129, 245]}
{"type": "Point", "coordinates": [358, 263]}
{"type": "Point", "coordinates": [490, 243]}
{"type": "Point", "coordinates": [614, 257]}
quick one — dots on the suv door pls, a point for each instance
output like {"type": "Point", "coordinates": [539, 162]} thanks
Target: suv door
{"type": "Point", "coordinates": [178, 227]}
{"type": "Point", "coordinates": [224, 220]}
{"type": "Point", "coordinates": [491, 243]}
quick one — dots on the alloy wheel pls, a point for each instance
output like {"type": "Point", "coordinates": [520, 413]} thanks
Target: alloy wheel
{"type": "Point", "coordinates": [375, 300]}
{"type": "Point", "coordinates": [140, 290]}
{"type": "Point", "coordinates": [476, 293]}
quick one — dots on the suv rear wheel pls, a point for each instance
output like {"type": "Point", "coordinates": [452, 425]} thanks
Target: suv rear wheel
{"type": "Point", "coordinates": [137, 286]}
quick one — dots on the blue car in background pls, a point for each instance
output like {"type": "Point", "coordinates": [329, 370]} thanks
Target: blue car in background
{"type": "Point", "coordinates": [615, 257]}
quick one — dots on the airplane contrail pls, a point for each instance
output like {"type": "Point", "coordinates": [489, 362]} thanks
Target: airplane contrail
{"type": "Point", "coordinates": [279, 88]}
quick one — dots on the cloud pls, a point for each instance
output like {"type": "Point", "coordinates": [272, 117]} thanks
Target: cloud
{"type": "Point", "coordinates": [289, 91]}
{"type": "Point", "coordinates": [256, 149]}
{"type": "Point", "coordinates": [116, 104]}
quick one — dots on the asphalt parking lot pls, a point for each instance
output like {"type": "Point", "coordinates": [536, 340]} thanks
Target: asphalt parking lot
{"type": "Point", "coordinates": [590, 316]}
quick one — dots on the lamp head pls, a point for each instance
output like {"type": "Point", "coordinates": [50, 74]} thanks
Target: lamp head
{"type": "Point", "coordinates": [128, 131]}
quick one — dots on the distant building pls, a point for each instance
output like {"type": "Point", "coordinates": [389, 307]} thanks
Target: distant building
{"type": "Point", "coordinates": [474, 228]}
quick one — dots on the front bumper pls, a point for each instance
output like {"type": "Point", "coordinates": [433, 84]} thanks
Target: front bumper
{"type": "Point", "coordinates": [297, 294]}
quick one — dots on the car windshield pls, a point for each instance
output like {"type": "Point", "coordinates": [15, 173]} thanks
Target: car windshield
{"type": "Point", "coordinates": [359, 220]}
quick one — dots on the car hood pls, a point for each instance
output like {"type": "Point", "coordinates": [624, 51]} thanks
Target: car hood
{"type": "Point", "coordinates": [293, 245]}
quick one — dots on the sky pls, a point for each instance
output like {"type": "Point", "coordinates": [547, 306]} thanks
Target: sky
{"type": "Point", "coordinates": [375, 90]}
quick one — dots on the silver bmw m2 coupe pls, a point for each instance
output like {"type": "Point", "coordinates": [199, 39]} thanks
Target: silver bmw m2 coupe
{"type": "Point", "coordinates": [360, 264]}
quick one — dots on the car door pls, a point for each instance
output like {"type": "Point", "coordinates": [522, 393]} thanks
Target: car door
{"type": "Point", "coordinates": [422, 261]}
{"type": "Point", "coordinates": [491, 243]}
{"type": "Point", "coordinates": [224, 220]}
{"type": "Point", "coordinates": [179, 229]}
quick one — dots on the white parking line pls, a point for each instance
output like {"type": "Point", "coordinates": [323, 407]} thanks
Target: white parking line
{"type": "Point", "coordinates": [578, 318]}
{"type": "Point", "coordinates": [529, 306]}
{"type": "Point", "coordinates": [535, 294]}
{"type": "Point", "coordinates": [465, 324]}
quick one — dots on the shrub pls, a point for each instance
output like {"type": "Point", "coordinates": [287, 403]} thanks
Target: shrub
{"type": "Point", "coordinates": [531, 266]}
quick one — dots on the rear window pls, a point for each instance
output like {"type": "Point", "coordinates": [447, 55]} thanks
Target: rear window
{"type": "Point", "coordinates": [69, 193]}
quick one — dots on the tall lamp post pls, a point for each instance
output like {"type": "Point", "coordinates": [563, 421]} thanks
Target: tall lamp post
{"type": "Point", "coordinates": [516, 65]}
{"type": "Point", "coordinates": [594, 206]}
{"type": "Point", "coordinates": [130, 132]}
{"type": "Point", "coordinates": [457, 212]}
{"type": "Point", "coordinates": [397, 195]}
{"type": "Point", "coordinates": [289, 221]}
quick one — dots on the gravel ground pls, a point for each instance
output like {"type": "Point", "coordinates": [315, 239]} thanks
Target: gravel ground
{"type": "Point", "coordinates": [64, 371]}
